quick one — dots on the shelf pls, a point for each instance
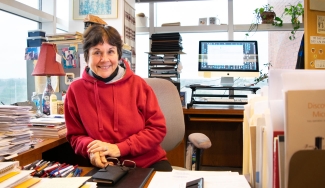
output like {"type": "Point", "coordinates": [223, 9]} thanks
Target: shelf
{"type": "Point", "coordinates": [230, 94]}
{"type": "Point", "coordinates": [177, 52]}
{"type": "Point", "coordinates": [216, 28]}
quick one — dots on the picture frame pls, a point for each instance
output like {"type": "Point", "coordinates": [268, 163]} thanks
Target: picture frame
{"type": "Point", "coordinates": [69, 56]}
{"type": "Point", "coordinates": [69, 77]}
{"type": "Point", "coordinates": [182, 96]}
{"type": "Point", "coordinates": [100, 8]}
{"type": "Point", "coordinates": [31, 53]}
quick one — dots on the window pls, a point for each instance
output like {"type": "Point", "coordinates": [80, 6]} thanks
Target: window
{"type": "Point", "coordinates": [188, 13]}
{"type": "Point", "coordinates": [62, 9]}
{"type": "Point", "coordinates": [13, 87]}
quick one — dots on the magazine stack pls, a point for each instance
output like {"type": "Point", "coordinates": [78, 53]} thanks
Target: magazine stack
{"type": "Point", "coordinates": [15, 136]}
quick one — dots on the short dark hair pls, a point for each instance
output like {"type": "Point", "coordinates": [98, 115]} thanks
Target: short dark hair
{"type": "Point", "coordinates": [96, 34]}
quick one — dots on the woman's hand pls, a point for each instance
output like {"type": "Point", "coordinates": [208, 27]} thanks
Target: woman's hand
{"type": "Point", "coordinates": [104, 148]}
{"type": "Point", "coordinates": [97, 160]}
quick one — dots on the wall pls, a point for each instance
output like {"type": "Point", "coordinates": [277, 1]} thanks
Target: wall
{"type": "Point", "coordinates": [282, 51]}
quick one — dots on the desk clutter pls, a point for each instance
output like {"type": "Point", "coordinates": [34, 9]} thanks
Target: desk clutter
{"type": "Point", "coordinates": [15, 136]}
{"type": "Point", "coordinates": [13, 176]}
{"type": "Point", "coordinates": [48, 169]}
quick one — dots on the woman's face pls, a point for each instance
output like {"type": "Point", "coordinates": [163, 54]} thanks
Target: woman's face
{"type": "Point", "coordinates": [103, 59]}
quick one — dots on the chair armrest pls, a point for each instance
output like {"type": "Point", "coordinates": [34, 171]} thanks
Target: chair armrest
{"type": "Point", "coordinates": [200, 140]}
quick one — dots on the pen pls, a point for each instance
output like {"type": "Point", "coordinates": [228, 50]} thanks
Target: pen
{"type": "Point", "coordinates": [71, 173]}
{"type": "Point", "coordinates": [27, 167]}
{"type": "Point", "coordinates": [55, 170]}
{"type": "Point", "coordinates": [34, 166]}
{"type": "Point", "coordinates": [76, 172]}
{"type": "Point", "coordinates": [50, 168]}
{"type": "Point", "coordinates": [64, 174]}
{"type": "Point", "coordinates": [62, 171]}
{"type": "Point", "coordinates": [43, 166]}
{"type": "Point", "coordinates": [80, 170]}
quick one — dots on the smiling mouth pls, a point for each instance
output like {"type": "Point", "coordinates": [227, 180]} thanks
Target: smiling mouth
{"type": "Point", "coordinates": [104, 67]}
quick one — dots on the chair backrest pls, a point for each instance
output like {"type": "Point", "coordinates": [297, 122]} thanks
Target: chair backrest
{"type": "Point", "coordinates": [170, 104]}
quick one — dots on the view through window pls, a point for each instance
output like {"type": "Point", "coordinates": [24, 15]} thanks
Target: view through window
{"type": "Point", "coordinates": [13, 82]}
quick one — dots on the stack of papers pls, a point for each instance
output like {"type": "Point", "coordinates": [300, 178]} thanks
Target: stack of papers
{"type": "Point", "coordinates": [48, 127]}
{"type": "Point", "coordinates": [211, 179]}
{"type": "Point", "coordinates": [15, 136]}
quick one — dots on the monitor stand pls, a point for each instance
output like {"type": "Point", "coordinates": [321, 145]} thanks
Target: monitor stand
{"type": "Point", "coordinates": [227, 81]}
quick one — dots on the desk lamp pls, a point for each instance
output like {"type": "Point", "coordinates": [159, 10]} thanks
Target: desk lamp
{"type": "Point", "coordinates": [48, 66]}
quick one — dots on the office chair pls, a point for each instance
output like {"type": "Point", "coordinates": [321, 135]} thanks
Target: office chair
{"type": "Point", "coordinates": [170, 104]}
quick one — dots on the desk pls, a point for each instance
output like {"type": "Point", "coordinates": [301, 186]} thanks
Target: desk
{"type": "Point", "coordinates": [35, 153]}
{"type": "Point", "coordinates": [223, 125]}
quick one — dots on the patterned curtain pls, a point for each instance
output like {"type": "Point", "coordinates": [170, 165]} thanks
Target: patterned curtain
{"type": "Point", "coordinates": [129, 30]}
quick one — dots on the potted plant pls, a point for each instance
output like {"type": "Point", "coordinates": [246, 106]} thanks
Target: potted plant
{"type": "Point", "coordinates": [295, 11]}
{"type": "Point", "coordinates": [264, 15]}
{"type": "Point", "coordinates": [263, 76]}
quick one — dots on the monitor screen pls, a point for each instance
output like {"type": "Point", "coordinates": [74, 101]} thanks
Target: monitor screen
{"type": "Point", "coordinates": [228, 59]}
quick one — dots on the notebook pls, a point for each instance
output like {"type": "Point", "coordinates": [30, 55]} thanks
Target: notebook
{"type": "Point", "coordinates": [136, 177]}
{"type": "Point", "coordinates": [6, 167]}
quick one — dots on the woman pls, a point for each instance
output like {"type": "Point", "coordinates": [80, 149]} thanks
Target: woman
{"type": "Point", "coordinates": [110, 111]}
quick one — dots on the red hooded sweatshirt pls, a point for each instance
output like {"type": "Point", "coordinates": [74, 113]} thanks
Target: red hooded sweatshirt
{"type": "Point", "coordinates": [125, 112]}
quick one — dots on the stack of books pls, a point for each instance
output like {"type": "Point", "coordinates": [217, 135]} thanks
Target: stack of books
{"type": "Point", "coordinates": [166, 42]}
{"type": "Point", "coordinates": [15, 136]}
{"type": "Point", "coordinates": [11, 175]}
{"type": "Point", "coordinates": [48, 127]}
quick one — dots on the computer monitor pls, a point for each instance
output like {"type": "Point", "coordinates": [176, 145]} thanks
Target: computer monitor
{"type": "Point", "coordinates": [228, 59]}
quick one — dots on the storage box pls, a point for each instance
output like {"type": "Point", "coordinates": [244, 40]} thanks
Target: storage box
{"type": "Point", "coordinates": [35, 41]}
{"type": "Point", "coordinates": [36, 33]}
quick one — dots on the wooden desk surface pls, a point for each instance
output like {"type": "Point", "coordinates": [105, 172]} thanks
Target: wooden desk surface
{"type": "Point", "coordinates": [35, 153]}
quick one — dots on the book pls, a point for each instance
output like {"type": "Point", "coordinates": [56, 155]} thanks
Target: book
{"type": "Point", "coordinates": [136, 177]}
{"type": "Point", "coordinates": [303, 122]}
{"type": "Point", "coordinates": [275, 158]}
{"type": "Point", "coordinates": [7, 167]}
{"type": "Point", "coordinates": [281, 160]}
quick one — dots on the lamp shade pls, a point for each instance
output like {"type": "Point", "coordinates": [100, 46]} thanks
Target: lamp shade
{"type": "Point", "coordinates": [47, 64]}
